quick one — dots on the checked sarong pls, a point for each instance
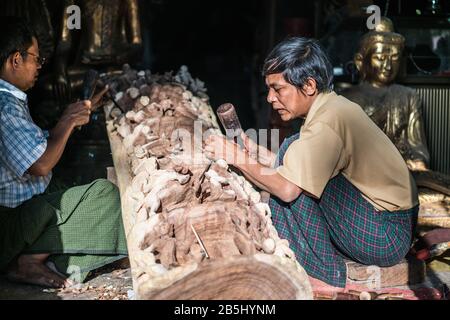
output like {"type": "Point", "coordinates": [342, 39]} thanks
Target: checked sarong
{"type": "Point", "coordinates": [341, 224]}
{"type": "Point", "coordinates": [81, 227]}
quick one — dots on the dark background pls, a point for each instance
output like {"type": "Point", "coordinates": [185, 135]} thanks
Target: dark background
{"type": "Point", "coordinates": [224, 44]}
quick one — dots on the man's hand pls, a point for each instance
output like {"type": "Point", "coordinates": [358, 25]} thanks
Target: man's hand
{"type": "Point", "coordinates": [257, 152]}
{"type": "Point", "coordinates": [217, 147]}
{"type": "Point", "coordinates": [61, 84]}
{"type": "Point", "coordinates": [76, 114]}
{"type": "Point", "coordinates": [250, 146]}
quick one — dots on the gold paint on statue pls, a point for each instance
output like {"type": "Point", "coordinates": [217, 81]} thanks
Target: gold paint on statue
{"type": "Point", "coordinates": [397, 110]}
{"type": "Point", "coordinates": [110, 36]}
{"type": "Point", "coordinates": [394, 108]}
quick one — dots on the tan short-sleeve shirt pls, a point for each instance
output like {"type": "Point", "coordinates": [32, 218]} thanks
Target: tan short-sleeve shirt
{"type": "Point", "coordinates": [338, 137]}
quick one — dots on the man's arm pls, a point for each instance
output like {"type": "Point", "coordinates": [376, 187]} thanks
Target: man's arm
{"type": "Point", "coordinates": [262, 176]}
{"type": "Point", "coordinates": [76, 114]}
{"type": "Point", "coordinates": [270, 180]}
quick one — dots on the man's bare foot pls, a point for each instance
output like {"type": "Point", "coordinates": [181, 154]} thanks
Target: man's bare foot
{"type": "Point", "coordinates": [32, 269]}
{"type": "Point", "coordinates": [122, 263]}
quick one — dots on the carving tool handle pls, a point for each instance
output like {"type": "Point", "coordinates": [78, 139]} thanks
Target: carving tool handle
{"type": "Point", "coordinates": [230, 121]}
{"type": "Point", "coordinates": [89, 85]}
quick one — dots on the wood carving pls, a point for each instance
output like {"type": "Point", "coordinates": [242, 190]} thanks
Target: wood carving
{"type": "Point", "coordinates": [196, 229]}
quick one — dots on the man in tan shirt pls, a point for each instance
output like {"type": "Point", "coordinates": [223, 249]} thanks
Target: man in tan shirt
{"type": "Point", "coordinates": [340, 188]}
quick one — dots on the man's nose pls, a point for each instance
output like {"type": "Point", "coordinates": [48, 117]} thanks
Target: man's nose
{"type": "Point", "coordinates": [270, 96]}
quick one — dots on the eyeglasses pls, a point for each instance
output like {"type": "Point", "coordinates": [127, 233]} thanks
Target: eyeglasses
{"type": "Point", "coordinates": [39, 59]}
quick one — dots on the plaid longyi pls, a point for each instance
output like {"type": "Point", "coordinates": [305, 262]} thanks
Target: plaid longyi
{"type": "Point", "coordinates": [341, 224]}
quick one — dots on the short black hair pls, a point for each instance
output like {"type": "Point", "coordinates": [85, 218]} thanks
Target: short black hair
{"type": "Point", "coordinates": [16, 37]}
{"type": "Point", "coordinates": [298, 59]}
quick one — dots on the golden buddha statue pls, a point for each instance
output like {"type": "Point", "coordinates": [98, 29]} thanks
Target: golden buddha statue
{"type": "Point", "coordinates": [396, 109]}
{"type": "Point", "coordinates": [110, 36]}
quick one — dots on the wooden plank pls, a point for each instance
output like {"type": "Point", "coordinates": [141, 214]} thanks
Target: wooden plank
{"type": "Point", "coordinates": [434, 209]}
{"type": "Point", "coordinates": [111, 175]}
{"type": "Point", "coordinates": [122, 169]}
{"type": "Point", "coordinates": [123, 174]}
{"type": "Point", "coordinates": [407, 272]}
{"type": "Point", "coordinates": [434, 214]}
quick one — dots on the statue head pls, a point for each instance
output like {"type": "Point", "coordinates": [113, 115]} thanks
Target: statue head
{"type": "Point", "coordinates": [378, 57]}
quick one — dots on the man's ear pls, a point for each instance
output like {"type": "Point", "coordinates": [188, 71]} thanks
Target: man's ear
{"type": "Point", "coordinates": [310, 87]}
{"type": "Point", "coordinates": [16, 60]}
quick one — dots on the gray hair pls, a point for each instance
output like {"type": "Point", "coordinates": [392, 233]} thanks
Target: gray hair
{"type": "Point", "coordinates": [299, 59]}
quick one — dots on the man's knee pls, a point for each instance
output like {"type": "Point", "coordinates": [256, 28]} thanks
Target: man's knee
{"type": "Point", "coordinates": [105, 187]}
{"type": "Point", "coordinates": [388, 260]}
{"type": "Point", "coordinates": [391, 255]}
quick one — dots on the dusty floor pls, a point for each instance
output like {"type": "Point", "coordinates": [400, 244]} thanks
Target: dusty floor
{"type": "Point", "coordinates": [106, 284]}
{"type": "Point", "coordinates": [109, 284]}
{"type": "Point", "coordinates": [438, 274]}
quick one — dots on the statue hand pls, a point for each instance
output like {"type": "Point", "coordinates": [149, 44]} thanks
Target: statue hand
{"type": "Point", "coordinates": [128, 53]}
{"type": "Point", "coordinates": [416, 165]}
{"type": "Point", "coordinates": [61, 87]}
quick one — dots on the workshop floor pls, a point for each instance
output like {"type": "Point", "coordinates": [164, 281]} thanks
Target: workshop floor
{"type": "Point", "coordinates": [109, 283]}
{"type": "Point", "coordinates": [438, 275]}
{"type": "Point", "coordinates": [115, 284]}
{"type": "Point", "coordinates": [112, 283]}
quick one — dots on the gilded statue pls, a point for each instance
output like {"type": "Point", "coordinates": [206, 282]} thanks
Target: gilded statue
{"type": "Point", "coordinates": [396, 109]}
{"type": "Point", "coordinates": [110, 36]}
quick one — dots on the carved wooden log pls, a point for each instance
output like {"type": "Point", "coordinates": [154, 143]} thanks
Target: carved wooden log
{"type": "Point", "coordinates": [195, 228]}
